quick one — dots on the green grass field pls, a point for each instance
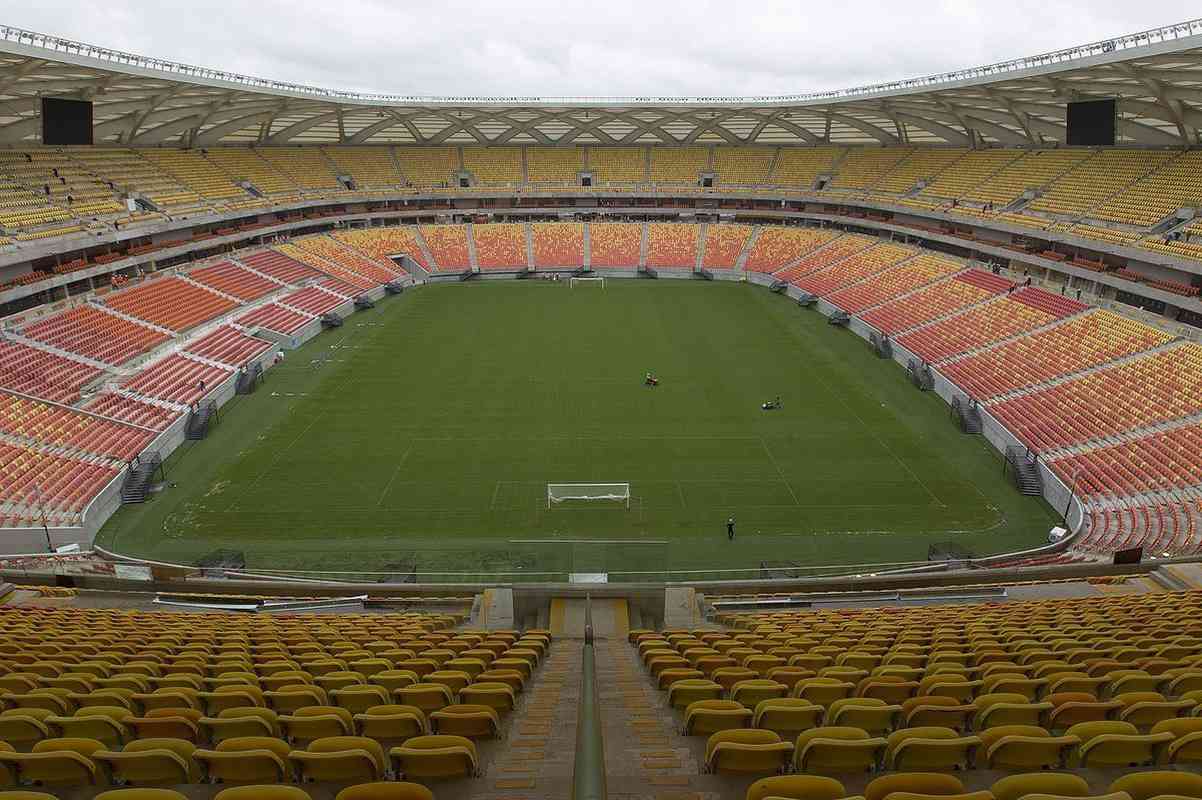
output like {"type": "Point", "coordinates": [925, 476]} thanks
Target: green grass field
{"type": "Point", "coordinates": [424, 432]}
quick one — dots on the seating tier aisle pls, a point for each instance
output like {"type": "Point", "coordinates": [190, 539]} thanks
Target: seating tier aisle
{"type": "Point", "coordinates": [776, 247]}
{"type": "Point", "coordinates": [448, 246]}
{"type": "Point", "coordinates": [615, 244]}
{"type": "Point", "coordinates": [371, 168]}
{"type": "Point", "coordinates": [558, 244]}
{"type": "Point", "coordinates": [384, 243]}
{"type": "Point", "coordinates": [1159, 462]}
{"type": "Point", "coordinates": [428, 166]}
{"type": "Point", "coordinates": [494, 166]}
{"type": "Point", "coordinates": [276, 265]}
{"type": "Point", "coordinates": [554, 166]}
{"type": "Point", "coordinates": [742, 166]}
{"type": "Point", "coordinates": [191, 170]}
{"type": "Point", "coordinates": [671, 246]}
{"type": "Point", "coordinates": [1078, 344]}
{"type": "Point", "coordinates": [169, 302]}
{"type": "Point", "coordinates": [801, 166]}
{"type": "Point", "coordinates": [178, 379]}
{"type": "Point", "coordinates": [930, 698]}
{"type": "Point", "coordinates": [246, 165]}
{"type": "Point", "coordinates": [128, 409]}
{"type": "Point", "coordinates": [938, 300]}
{"type": "Point", "coordinates": [1096, 179]}
{"type": "Point", "coordinates": [980, 326]}
{"type": "Point", "coordinates": [231, 279]}
{"type": "Point", "coordinates": [500, 246]}
{"type": "Point", "coordinates": [312, 300]}
{"type": "Point", "coordinates": [863, 167]}
{"type": "Point", "coordinates": [854, 269]}
{"type": "Point", "coordinates": [64, 427]}
{"type": "Point", "coordinates": [50, 376]}
{"type": "Point", "coordinates": [618, 165]}
{"type": "Point", "coordinates": [838, 249]}
{"type": "Point", "coordinates": [678, 165]}
{"type": "Point", "coordinates": [921, 166]}
{"type": "Point", "coordinates": [1136, 394]}
{"type": "Point", "coordinates": [333, 252]}
{"type": "Point", "coordinates": [229, 345]}
{"type": "Point", "coordinates": [276, 318]}
{"type": "Point", "coordinates": [309, 255]}
{"type": "Point", "coordinates": [906, 277]}
{"type": "Point", "coordinates": [92, 333]}
{"type": "Point", "coordinates": [322, 700]}
{"type": "Point", "coordinates": [42, 486]}
{"type": "Point", "coordinates": [724, 244]}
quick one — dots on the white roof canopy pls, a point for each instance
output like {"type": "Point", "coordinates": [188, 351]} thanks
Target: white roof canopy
{"type": "Point", "coordinates": [1156, 76]}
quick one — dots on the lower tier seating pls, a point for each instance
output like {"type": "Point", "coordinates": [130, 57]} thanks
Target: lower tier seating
{"type": "Point", "coordinates": [92, 333]}
{"type": "Point", "coordinates": [615, 244]}
{"type": "Point", "coordinates": [29, 370]}
{"type": "Point", "coordinates": [229, 345]}
{"type": "Point", "coordinates": [65, 427]}
{"type": "Point", "coordinates": [940, 299]}
{"type": "Point", "coordinates": [558, 244]}
{"type": "Point", "coordinates": [178, 379]}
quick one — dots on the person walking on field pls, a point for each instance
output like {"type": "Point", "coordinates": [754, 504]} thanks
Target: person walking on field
{"type": "Point", "coordinates": [730, 529]}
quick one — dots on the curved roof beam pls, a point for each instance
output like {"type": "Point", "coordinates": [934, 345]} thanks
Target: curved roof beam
{"type": "Point", "coordinates": [880, 134]}
{"type": "Point", "coordinates": [167, 130]}
{"type": "Point", "coordinates": [296, 128]}
{"type": "Point", "coordinates": [212, 136]}
{"type": "Point", "coordinates": [945, 132]}
{"type": "Point", "coordinates": [391, 121]}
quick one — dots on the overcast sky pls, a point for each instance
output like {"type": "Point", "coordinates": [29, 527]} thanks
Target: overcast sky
{"type": "Point", "coordinates": [621, 47]}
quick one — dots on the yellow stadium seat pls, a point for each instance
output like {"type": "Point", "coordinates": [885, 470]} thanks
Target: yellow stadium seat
{"type": "Point", "coordinates": [928, 783]}
{"type": "Point", "coordinates": [391, 724]}
{"type": "Point", "coordinates": [125, 794]}
{"type": "Point", "coordinates": [152, 762]}
{"type": "Point", "coordinates": [930, 748]}
{"type": "Point", "coordinates": [438, 756]}
{"type": "Point", "coordinates": [317, 722]}
{"type": "Point", "coordinates": [1116, 744]}
{"type": "Point", "coordinates": [1061, 784]}
{"type": "Point", "coordinates": [247, 760]}
{"type": "Point", "coordinates": [787, 716]}
{"type": "Point", "coordinates": [867, 713]}
{"type": "Point", "coordinates": [494, 695]}
{"type": "Point", "coordinates": [388, 790]}
{"type": "Point", "coordinates": [796, 787]}
{"type": "Point", "coordinates": [833, 750]}
{"type": "Point", "coordinates": [341, 759]}
{"type": "Point", "coordinates": [61, 768]}
{"type": "Point", "coordinates": [468, 720]}
{"type": "Point", "coordinates": [748, 750]}
{"type": "Point", "coordinates": [266, 792]}
{"type": "Point", "coordinates": [1146, 785]}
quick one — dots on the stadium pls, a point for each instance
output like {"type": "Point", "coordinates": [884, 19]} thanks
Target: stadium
{"type": "Point", "coordinates": [834, 445]}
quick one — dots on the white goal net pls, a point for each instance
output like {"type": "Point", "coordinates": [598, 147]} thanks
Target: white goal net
{"type": "Point", "coordinates": [610, 492]}
{"type": "Point", "coordinates": [592, 279]}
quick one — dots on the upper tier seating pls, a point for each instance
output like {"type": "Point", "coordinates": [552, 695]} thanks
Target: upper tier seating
{"type": "Point", "coordinates": [935, 301]}
{"type": "Point", "coordinates": [42, 374]}
{"type": "Point", "coordinates": [41, 486]}
{"type": "Point", "coordinates": [1076, 345]}
{"type": "Point", "coordinates": [306, 167]}
{"type": "Point", "coordinates": [775, 247]}
{"type": "Point", "coordinates": [801, 166]}
{"type": "Point", "coordinates": [908, 276]}
{"type": "Point", "coordinates": [615, 244]}
{"type": "Point", "coordinates": [448, 245]}
{"type": "Point", "coordinates": [500, 245]}
{"type": "Point", "coordinates": [968, 172]}
{"type": "Point", "coordinates": [494, 166]}
{"type": "Point", "coordinates": [922, 165]}
{"type": "Point", "coordinates": [428, 166]}
{"type": "Point", "coordinates": [229, 346]}
{"type": "Point", "coordinates": [554, 166]}
{"type": "Point", "coordinates": [1033, 170]}
{"type": "Point", "coordinates": [678, 165]}
{"type": "Point", "coordinates": [863, 167]}
{"type": "Point", "coordinates": [742, 166]}
{"type": "Point", "coordinates": [194, 172]}
{"type": "Point", "coordinates": [243, 164]}
{"type": "Point", "coordinates": [371, 168]}
{"type": "Point", "coordinates": [671, 246]}
{"type": "Point", "coordinates": [558, 244]}
{"type": "Point", "coordinates": [1175, 185]}
{"type": "Point", "coordinates": [383, 243]}
{"type": "Point", "coordinates": [63, 182]}
{"type": "Point", "coordinates": [853, 269]}
{"type": "Point", "coordinates": [279, 266]}
{"type": "Point", "coordinates": [229, 278]}
{"type": "Point", "coordinates": [128, 409]}
{"type": "Point", "coordinates": [178, 379]}
{"type": "Point", "coordinates": [1096, 178]}
{"type": "Point", "coordinates": [837, 249]}
{"type": "Point", "coordinates": [724, 244]}
{"type": "Point", "coordinates": [169, 302]}
{"type": "Point", "coordinates": [618, 165]}
{"type": "Point", "coordinates": [64, 427]}
{"type": "Point", "coordinates": [90, 332]}
{"type": "Point", "coordinates": [276, 318]}
{"type": "Point", "coordinates": [1145, 391]}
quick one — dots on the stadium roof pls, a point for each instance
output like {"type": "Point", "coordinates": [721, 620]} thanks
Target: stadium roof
{"type": "Point", "coordinates": [1156, 75]}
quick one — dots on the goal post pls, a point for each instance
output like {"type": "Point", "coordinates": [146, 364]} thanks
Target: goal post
{"type": "Point", "coordinates": [606, 492]}
{"type": "Point", "coordinates": [586, 279]}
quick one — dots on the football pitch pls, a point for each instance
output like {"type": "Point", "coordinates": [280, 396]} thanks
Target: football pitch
{"type": "Point", "coordinates": [421, 436]}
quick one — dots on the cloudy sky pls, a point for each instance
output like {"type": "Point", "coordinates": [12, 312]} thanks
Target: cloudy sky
{"type": "Point", "coordinates": [621, 47]}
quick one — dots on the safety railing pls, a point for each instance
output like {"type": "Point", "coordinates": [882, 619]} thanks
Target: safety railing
{"type": "Point", "coordinates": [588, 774]}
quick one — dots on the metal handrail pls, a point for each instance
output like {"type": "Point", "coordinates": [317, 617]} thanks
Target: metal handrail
{"type": "Point", "coordinates": [588, 774]}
